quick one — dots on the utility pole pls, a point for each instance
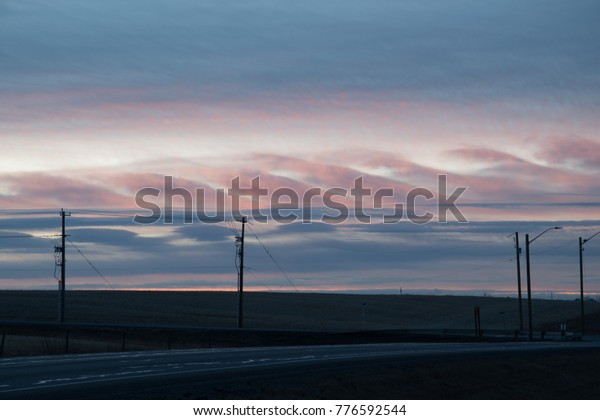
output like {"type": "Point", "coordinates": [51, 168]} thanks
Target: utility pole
{"type": "Point", "coordinates": [530, 331]}
{"type": "Point", "coordinates": [518, 250]}
{"type": "Point", "coordinates": [527, 243]}
{"type": "Point", "coordinates": [63, 260]}
{"type": "Point", "coordinates": [581, 243]}
{"type": "Point", "coordinates": [581, 284]}
{"type": "Point", "coordinates": [240, 242]}
{"type": "Point", "coordinates": [477, 313]}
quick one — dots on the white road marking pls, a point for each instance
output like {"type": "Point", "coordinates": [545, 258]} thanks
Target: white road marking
{"type": "Point", "coordinates": [87, 377]}
{"type": "Point", "coordinates": [247, 361]}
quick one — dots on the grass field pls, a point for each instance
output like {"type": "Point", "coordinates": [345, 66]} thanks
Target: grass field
{"type": "Point", "coordinates": [306, 311]}
{"type": "Point", "coordinates": [556, 375]}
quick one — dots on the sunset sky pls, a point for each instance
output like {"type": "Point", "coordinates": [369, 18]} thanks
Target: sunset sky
{"type": "Point", "coordinates": [101, 99]}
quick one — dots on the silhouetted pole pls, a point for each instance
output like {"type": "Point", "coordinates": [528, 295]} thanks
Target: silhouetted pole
{"type": "Point", "coordinates": [530, 329]}
{"type": "Point", "coordinates": [581, 242]}
{"type": "Point", "coordinates": [581, 285]}
{"type": "Point", "coordinates": [63, 261]}
{"type": "Point", "coordinates": [240, 240]}
{"type": "Point", "coordinates": [529, 311]}
{"type": "Point", "coordinates": [477, 314]}
{"type": "Point", "coordinates": [518, 250]}
{"type": "Point", "coordinates": [364, 306]}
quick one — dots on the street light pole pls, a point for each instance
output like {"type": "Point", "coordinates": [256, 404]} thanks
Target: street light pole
{"type": "Point", "coordinates": [529, 311]}
{"type": "Point", "coordinates": [530, 325]}
{"type": "Point", "coordinates": [581, 285]}
{"type": "Point", "coordinates": [518, 249]}
{"type": "Point", "coordinates": [581, 242]}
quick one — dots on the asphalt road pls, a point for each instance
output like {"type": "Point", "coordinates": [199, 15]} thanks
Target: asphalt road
{"type": "Point", "coordinates": [118, 375]}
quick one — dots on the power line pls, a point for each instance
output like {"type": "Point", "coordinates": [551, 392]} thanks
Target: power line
{"type": "Point", "coordinates": [232, 228]}
{"type": "Point", "coordinates": [30, 236]}
{"type": "Point", "coordinates": [273, 258]}
{"type": "Point", "coordinates": [56, 247]}
{"type": "Point", "coordinates": [107, 213]}
{"type": "Point", "coordinates": [155, 269]}
{"type": "Point", "coordinates": [280, 269]}
{"type": "Point", "coordinates": [91, 264]}
{"type": "Point", "coordinates": [469, 270]}
{"type": "Point", "coordinates": [28, 212]}
{"type": "Point", "coordinates": [546, 249]}
{"type": "Point", "coordinates": [251, 271]}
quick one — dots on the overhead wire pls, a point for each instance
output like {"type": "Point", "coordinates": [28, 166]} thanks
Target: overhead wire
{"type": "Point", "coordinates": [105, 214]}
{"type": "Point", "coordinates": [251, 271]}
{"type": "Point", "coordinates": [546, 248]}
{"type": "Point", "coordinates": [91, 264]}
{"type": "Point", "coordinates": [273, 259]}
{"type": "Point", "coordinates": [56, 246]}
{"type": "Point", "coordinates": [280, 269]}
{"type": "Point", "coordinates": [29, 236]}
{"type": "Point", "coordinates": [543, 249]}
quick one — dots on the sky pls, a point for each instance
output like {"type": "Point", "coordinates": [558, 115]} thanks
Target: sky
{"type": "Point", "coordinates": [99, 100]}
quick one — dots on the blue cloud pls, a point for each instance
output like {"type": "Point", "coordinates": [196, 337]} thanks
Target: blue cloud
{"type": "Point", "coordinates": [437, 50]}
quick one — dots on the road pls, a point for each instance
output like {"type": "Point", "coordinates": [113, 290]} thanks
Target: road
{"type": "Point", "coordinates": [115, 375]}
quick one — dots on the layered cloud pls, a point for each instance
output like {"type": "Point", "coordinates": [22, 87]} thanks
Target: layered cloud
{"type": "Point", "coordinates": [521, 180]}
{"type": "Point", "coordinates": [373, 257]}
{"type": "Point", "coordinates": [239, 50]}
{"type": "Point", "coordinates": [490, 176]}
{"type": "Point", "coordinates": [576, 153]}
{"type": "Point", "coordinates": [101, 100]}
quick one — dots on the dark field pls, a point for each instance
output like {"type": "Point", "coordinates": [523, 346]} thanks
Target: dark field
{"type": "Point", "coordinates": [159, 320]}
{"type": "Point", "coordinates": [304, 311]}
{"type": "Point", "coordinates": [568, 374]}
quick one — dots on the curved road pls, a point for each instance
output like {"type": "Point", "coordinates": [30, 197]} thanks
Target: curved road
{"type": "Point", "coordinates": [110, 375]}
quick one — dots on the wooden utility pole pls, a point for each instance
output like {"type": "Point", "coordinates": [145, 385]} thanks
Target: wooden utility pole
{"type": "Point", "coordinates": [518, 250]}
{"type": "Point", "coordinates": [477, 313]}
{"type": "Point", "coordinates": [581, 242]}
{"type": "Point", "coordinates": [530, 321]}
{"type": "Point", "coordinates": [240, 242]}
{"type": "Point", "coordinates": [63, 261]}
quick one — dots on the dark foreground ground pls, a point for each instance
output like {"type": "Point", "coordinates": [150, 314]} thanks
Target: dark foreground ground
{"type": "Point", "coordinates": [552, 375]}
{"type": "Point", "coordinates": [107, 321]}
{"type": "Point", "coordinates": [570, 374]}
{"type": "Point", "coordinates": [305, 311]}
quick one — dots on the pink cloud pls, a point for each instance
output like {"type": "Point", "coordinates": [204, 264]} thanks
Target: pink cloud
{"type": "Point", "coordinates": [498, 177]}
{"type": "Point", "coordinates": [39, 190]}
{"type": "Point", "coordinates": [572, 151]}
{"type": "Point", "coordinates": [486, 156]}
{"type": "Point", "coordinates": [502, 174]}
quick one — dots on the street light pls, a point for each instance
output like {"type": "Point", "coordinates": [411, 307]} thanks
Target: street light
{"type": "Point", "coordinates": [581, 242]}
{"type": "Point", "coordinates": [527, 243]}
{"type": "Point", "coordinates": [518, 257]}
